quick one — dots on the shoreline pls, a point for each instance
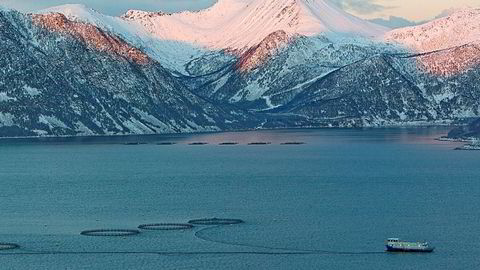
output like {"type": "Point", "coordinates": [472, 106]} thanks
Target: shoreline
{"type": "Point", "coordinates": [180, 134]}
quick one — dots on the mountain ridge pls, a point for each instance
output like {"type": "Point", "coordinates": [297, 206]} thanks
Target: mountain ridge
{"type": "Point", "coordinates": [459, 28]}
{"type": "Point", "coordinates": [58, 81]}
{"type": "Point", "coordinates": [98, 74]}
{"type": "Point", "coordinates": [252, 20]}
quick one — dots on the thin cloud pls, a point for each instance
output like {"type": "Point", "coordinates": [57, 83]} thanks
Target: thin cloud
{"type": "Point", "coordinates": [394, 22]}
{"type": "Point", "coordinates": [361, 6]}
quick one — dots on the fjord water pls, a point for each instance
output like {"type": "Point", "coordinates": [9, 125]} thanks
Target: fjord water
{"type": "Point", "coordinates": [341, 194]}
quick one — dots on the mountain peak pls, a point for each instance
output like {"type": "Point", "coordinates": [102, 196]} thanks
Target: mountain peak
{"type": "Point", "coordinates": [453, 10]}
{"type": "Point", "coordinates": [460, 28]}
{"type": "Point", "coordinates": [242, 24]}
{"type": "Point", "coordinates": [68, 9]}
{"type": "Point", "coordinates": [77, 12]}
{"type": "Point", "coordinates": [92, 36]}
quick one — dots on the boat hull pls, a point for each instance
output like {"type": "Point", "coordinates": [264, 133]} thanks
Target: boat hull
{"type": "Point", "coordinates": [408, 249]}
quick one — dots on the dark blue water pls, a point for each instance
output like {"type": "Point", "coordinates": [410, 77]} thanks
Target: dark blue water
{"type": "Point", "coordinates": [339, 196]}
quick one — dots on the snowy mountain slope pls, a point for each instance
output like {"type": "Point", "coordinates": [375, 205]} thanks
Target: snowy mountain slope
{"type": "Point", "coordinates": [446, 46]}
{"type": "Point", "coordinates": [241, 24]}
{"type": "Point", "coordinates": [233, 25]}
{"type": "Point", "coordinates": [452, 61]}
{"type": "Point", "coordinates": [172, 54]}
{"type": "Point", "coordinates": [459, 28]}
{"type": "Point", "coordinates": [387, 90]}
{"type": "Point", "coordinates": [279, 78]}
{"type": "Point", "coordinates": [353, 85]}
{"type": "Point", "coordinates": [240, 64]}
{"type": "Point", "coordinates": [60, 77]}
{"type": "Point", "coordinates": [440, 84]}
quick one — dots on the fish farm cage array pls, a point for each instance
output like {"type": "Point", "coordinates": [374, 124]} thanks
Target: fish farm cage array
{"type": "Point", "coordinates": [161, 227]}
{"type": "Point", "coordinates": [206, 143]}
{"type": "Point", "coordinates": [204, 225]}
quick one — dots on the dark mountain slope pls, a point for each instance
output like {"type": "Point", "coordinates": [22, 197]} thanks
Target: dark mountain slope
{"type": "Point", "coordinates": [59, 77]}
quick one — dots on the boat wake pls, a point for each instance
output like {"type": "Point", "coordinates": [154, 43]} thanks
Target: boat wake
{"type": "Point", "coordinates": [202, 234]}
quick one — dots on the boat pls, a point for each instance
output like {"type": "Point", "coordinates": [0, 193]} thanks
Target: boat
{"type": "Point", "coordinates": [398, 245]}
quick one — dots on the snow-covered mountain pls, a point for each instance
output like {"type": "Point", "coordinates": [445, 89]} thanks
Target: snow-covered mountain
{"type": "Point", "coordinates": [450, 45]}
{"type": "Point", "coordinates": [233, 25]}
{"type": "Point", "coordinates": [239, 64]}
{"type": "Point", "coordinates": [459, 28]}
{"type": "Point", "coordinates": [241, 24]}
{"type": "Point", "coordinates": [62, 77]}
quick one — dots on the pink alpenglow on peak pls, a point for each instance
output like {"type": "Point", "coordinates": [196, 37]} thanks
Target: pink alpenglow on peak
{"type": "Point", "coordinates": [257, 55]}
{"type": "Point", "coordinates": [460, 28]}
{"type": "Point", "coordinates": [256, 30]}
{"type": "Point", "coordinates": [451, 45]}
{"type": "Point", "coordinates": [237, 26]}
{"type": "Point", "coordinates": [92, 36]}
{"type": "Point", "coordinates": [242, 24]}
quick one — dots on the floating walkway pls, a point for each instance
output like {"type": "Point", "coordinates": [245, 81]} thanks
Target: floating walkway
{"type": "Point", "coordinates": [166, 226]}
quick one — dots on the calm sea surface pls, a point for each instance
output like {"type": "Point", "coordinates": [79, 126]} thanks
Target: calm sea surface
{"type": "Point", "coordinates": [327, 204]}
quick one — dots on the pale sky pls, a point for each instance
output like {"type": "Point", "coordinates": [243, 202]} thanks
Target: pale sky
{"type": "Point", "coordinates": [417, 10]}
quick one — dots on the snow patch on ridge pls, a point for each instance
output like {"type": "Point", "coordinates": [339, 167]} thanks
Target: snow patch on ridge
{"type": "Point", "coordinates": [5, 97]}
{"type": "Point", "coordinates": [6, 119]}
{"type": "Point", "coordinates": [51, 121]}
{"type": "Point", "coordinates": [31, 91]}
{"type": "Point", "coordinates": [83, 130]}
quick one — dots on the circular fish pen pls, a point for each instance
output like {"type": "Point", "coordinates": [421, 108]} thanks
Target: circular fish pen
{"type": "Point", "coordinates": [8, 246]}
{"type": "Point", "coordinates": [215, 221]}
{"type": "Point", "coordinates": [110, 232]}
{"type": "Point", "coordinates": [166, 226]}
